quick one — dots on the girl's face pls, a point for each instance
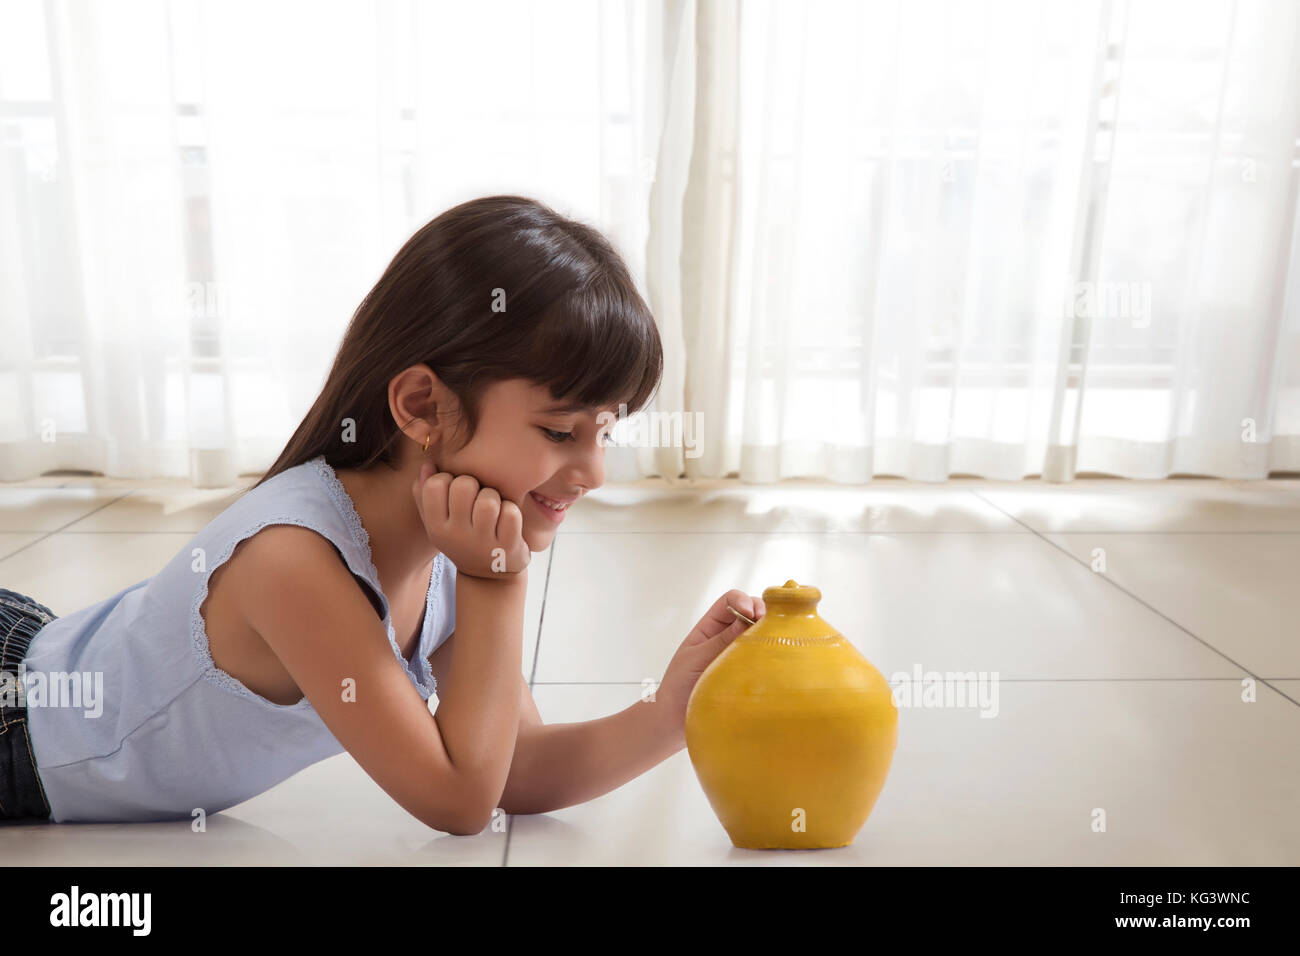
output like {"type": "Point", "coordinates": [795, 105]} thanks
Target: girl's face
{"type": "Point", "coordinates": [526, 446]}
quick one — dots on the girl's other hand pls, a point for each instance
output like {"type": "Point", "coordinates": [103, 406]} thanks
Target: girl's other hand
{"type": "Point", "coordinates": [481, 534]}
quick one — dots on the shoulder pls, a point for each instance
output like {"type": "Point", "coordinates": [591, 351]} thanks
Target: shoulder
{"type": "Point", "coordinates": [283, 546]}
{"type": "Point", "coordinates": [283, 562]}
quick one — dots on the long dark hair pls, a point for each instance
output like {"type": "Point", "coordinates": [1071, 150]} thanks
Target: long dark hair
{"type": "Point", "coordinates": [573, 321]}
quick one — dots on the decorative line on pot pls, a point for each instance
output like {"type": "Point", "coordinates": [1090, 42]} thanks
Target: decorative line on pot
{"type": "Point", "coordinates": [790, 641]}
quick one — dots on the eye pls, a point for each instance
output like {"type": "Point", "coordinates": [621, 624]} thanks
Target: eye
{"type": "Point", "coordinates": [564, 436]}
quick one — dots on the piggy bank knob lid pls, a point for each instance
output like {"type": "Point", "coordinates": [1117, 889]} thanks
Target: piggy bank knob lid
{"type": "Point", "coordinates": [792, 592]}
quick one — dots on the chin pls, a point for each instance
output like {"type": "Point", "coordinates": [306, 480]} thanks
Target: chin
{"type": "Point", "coordinates": [539, 539]}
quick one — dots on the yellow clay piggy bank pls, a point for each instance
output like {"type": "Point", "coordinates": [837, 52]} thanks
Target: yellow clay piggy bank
{"type": "Point", "coordinates": [791, 730]}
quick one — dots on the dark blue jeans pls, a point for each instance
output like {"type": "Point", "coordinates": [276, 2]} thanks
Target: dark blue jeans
{"type": "Point", "coordinates": [22, 797]}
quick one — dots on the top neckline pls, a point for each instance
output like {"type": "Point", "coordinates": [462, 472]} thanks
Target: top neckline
{"type": "Point", "coordinates": [347, 507]}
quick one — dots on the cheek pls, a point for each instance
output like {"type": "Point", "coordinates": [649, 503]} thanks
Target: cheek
{"type": "Point", "coordinates": [528, 509]}
{"type": "Point", "coordinates": [538, 531]}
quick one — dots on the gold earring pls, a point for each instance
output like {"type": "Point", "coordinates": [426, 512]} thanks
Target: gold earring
{"type": "Point", "coordinates": [426, 442]}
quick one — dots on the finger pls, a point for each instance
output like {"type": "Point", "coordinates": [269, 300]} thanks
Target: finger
{"type": "Point", "coordinates": [734, 598]}
{"type": "Point", "coordinates": [425, 493]}
{"type": "Point", "coordinates": [487, 508]}
{"type": "Point", "coordinates": [417, 492]}
{"type": "Point", "coordinates": [510, 523]}
{"type": "Point", "coordinates": [460, 498]}
{"type": "Point", "coordinates": [435, 498]}
{"type": "Point", "coordinates": [730, 633]}
{"type": "Point", "coordinates": [746, 607]}
{"type": "Point", "coordinates": [760, 608]}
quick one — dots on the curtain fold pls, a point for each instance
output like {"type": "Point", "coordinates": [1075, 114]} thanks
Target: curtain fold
{"type": "Point", "coordinates": [629, 458]}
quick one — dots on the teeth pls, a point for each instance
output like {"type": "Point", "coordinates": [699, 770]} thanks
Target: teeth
{"type": "Point", "coordinates": [550, 504]}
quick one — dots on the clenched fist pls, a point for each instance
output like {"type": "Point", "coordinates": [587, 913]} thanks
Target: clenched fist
{"type": "Point", "coordinates": [471, 525]}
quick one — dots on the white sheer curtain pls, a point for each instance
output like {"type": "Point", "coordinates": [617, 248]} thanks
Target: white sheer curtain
{"type": "Point", "coordinates": [908, 238]}
{"type": "Point", "coordinates": [196, 195]}
{"type": "Point", "coordinates": [998, 239]}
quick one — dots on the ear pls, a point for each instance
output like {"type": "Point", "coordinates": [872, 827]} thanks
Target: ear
{"type": "Point", "coordinates": [420, 404]}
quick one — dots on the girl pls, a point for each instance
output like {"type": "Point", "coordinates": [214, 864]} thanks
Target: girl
{"type": "Point", "coordinates": [368, 592]}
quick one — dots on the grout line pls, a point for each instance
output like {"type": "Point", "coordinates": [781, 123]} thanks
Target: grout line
{"type": "Point", "coordinates": [1115, 584]}
{"type": "Point", "coordinates": [50, 534]}
{"type": "Point", "coordinates": [541, 616]}
{"type": "Point", "coordinates": [537, 649]}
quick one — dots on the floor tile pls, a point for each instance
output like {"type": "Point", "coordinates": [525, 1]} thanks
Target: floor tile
{"type": "Point", "coordinates": [148, 509]}
{"type": "Point", "coordinates": [1236, 592]}
{"type": "Point", "coordinates": [1193, 505]}
{"type": "Point", "coordinates": [619, 605]}
{"type": "Point", "coordinates": [12, 542]}
{"type": "Point", "coordinates": [1289, 689]}
{"type": "Point", "coordinates": [330, 814]}
{"type": "Point", "coordinates": [67, 571]}
{"type": "Point", "coordinates": [883, 506]}
{"type": "Point", "coordinates": [49, 509]}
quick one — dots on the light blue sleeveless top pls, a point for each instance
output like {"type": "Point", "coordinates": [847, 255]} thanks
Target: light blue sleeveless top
{"type": "Point", "coordinates": [177, 733]}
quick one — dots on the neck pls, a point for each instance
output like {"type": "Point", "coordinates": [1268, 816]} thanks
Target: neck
{"type": "Point", "coordinates": [399, 546]}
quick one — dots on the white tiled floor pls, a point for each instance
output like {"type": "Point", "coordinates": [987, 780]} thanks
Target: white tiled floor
{"type": "Point", "coordinates": [1121, 689]}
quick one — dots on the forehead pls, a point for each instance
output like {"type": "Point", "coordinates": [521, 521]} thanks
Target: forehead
{"type": "Point", "coordinates": [538, 398]}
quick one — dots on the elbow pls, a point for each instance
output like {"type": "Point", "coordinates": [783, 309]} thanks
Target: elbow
{"type": "Point", "coordinates": [457, 823]}
{"type": "Point", "coordinates": [472, 822]}
{"type": "Point", "coordinates": [461, 830]}
{"type": "Point", "coordinates": [467, 819]}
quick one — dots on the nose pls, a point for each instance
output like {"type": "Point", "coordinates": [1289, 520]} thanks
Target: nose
{"type": "Point", "coordinates": [587, 467]}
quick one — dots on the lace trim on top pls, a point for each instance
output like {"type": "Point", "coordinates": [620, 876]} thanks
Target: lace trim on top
{"type": "Point", "coordinates": [432, 605]}
{"type": "Point", "coordinates": [343, 501]}
{"type": "Point", "coordinates": [199, 634]}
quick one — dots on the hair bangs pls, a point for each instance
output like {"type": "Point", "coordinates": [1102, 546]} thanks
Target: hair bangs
{"type": "Point", "coordinates": [601, 347]}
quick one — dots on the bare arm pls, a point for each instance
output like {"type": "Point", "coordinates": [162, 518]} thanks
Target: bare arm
{"type": "Point", "coordinates": [478, 712]}
{"type": "Point", "coordinates": [296, 593]}
{"type": "Point", "coordinates": [560, 765]}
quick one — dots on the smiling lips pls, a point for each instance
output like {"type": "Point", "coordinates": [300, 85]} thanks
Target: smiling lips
{"type": "Point", "coordinates": [553, 508]}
